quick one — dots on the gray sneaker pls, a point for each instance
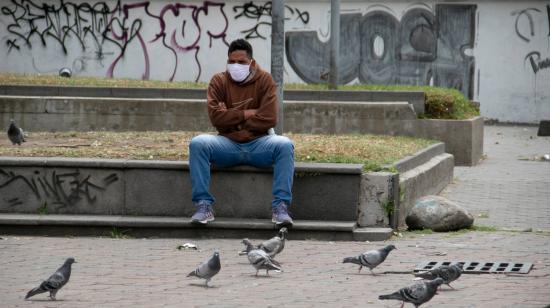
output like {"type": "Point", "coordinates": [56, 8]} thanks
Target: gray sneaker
{"type": "Point", "coordinates": [204, 213]}
{"type": "Point", "coordinates": [280, 215]}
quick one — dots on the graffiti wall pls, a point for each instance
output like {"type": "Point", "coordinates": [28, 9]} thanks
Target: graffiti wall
{"type": "Point", "coordinates": [495, 52]}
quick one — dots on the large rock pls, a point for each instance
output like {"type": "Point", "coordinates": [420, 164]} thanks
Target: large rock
{"type": "Point", "coordinates": [438, 214]}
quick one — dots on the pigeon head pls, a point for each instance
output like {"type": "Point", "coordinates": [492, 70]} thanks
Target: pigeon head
{"type": "Point", "coordinates": [246, 241]}
{"type": "Point", "coordinates": [216, 256]}
{"type": "Point", "coordinates": [389, 248]}
{"type": "Point", "coordinates": [437, 282]}
{"type": "Point", "coordinates": [70, 261]}
{"type": "Point", "coordinates": [214, 262]}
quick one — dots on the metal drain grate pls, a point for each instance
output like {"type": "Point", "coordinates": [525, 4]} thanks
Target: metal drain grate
{"type": "Point", "coordinates": [480, 267]}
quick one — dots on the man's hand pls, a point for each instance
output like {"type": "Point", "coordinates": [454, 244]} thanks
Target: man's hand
{"type": "Point", "coordinates": [248, 113]}
{"type": "Point", "coordinates": [222, 106]}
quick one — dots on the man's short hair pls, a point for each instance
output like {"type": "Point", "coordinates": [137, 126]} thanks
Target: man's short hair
{"type": "Point", "coordinates": [240, 44]}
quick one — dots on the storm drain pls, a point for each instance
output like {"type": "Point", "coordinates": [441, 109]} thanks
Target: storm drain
{"type": "Point", "coordinates": [476, 267]}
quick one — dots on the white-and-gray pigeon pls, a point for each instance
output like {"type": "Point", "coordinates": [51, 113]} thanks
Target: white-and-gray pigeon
{"type": "Point", "coordinates": [448, 273]}
{"type": "Point", "coordinates": [261, 260]}
{"type": "Point", "coordinates": [55, 282]}
{"type": "Point", "coordinates": [371, 258]}
{"type": "Point", "coordinates": [15, 133]}
{"type": "Point", "coordinates": [417, 294]}
{"type": "Point", "coordinates": [208, 268]}
{"type": "Point", "coordinates": [276, 244]}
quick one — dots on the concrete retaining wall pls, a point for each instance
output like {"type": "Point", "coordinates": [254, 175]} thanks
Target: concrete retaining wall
{"type": "Point", "coordinates": [463, 138]}
{"type": "Point", "coordinates": [415, 98]}
{"type": "Point", "coordinates": [322, 192]}
{"type": "Point", "coordinates": [162, 188]}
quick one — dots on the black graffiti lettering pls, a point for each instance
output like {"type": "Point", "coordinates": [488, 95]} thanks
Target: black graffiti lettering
{"type": "Point", "coordinates": [255, 11]}
{"type": "Point", "coordinates": [110, 179]}
{"type": "Point", "coordinates": [98, 27]}
{"type": "Point", "coordinates": [64, 189]}
{"type": "Point", "coordinates": [526, 13]}
{"type": "Point", "coordinates": [538, 63]}
{"type": "Point", "coordinates": [303, 16]}
{"type": "Point", "coordinates": [253, 32]}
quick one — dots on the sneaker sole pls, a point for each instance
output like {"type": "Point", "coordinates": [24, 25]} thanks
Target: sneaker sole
{"type": "Point", "coordinates": [202, 222]}
{"type": "Point", "coordinates": [284, 223]}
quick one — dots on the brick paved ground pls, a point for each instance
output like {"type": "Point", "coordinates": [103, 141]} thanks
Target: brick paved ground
{"type": "Point", "coordinates": [152, 272]}
{"type": "Point", "coordinates": [513, 193]}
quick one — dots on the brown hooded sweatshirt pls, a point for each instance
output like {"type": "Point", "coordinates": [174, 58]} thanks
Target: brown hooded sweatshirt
{"type": "Point", "coordinates": [257, 91]}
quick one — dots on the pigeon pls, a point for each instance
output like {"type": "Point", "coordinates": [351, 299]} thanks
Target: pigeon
{"type": "Point", "coordinates": [261, 260]}
{"type": "Point", "coordinates": [248, 247]}
{"type": "Point", "coordinates": [416, 294]}
{"type": "Point", "coordinates": [208, 269]}
{"type": "Point", "coordinates": [448, 273]}
{"type": "Point", "coordinates": [15, 134]}
{"type": "Point", "coordinates": [276, 244]}
{"type": "Point", "coordinates": [55, 282]}
{"type": "Point", "coordinates": [371, 258]}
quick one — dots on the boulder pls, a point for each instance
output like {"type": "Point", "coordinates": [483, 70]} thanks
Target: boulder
{"type": "Point", "coordinates": [438, 214]}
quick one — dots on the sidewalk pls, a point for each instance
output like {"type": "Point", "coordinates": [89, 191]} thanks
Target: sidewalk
{"type": "Point", "coordinates": [152, 272]}
{"type": "Point", "coordinates": [505, 190]}
{"type": "Point", "coordinates": [510, 193]}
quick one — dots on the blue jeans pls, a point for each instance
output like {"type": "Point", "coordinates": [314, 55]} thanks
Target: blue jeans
{"type": "Point", "coordinates": [265, 152]}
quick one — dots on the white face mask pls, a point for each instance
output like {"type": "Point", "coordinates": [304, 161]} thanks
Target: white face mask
{"type": "Point", "coordinates": [238, 72]}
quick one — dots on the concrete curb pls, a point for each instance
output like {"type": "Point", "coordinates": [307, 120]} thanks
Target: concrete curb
{"type": "Point", "coordinates": [181, 227]}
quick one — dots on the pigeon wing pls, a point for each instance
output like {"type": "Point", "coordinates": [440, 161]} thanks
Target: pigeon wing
{"type": "Point", "coordinates": [371, 259]}
{"type": "Point", "coordinates": [54, 282]}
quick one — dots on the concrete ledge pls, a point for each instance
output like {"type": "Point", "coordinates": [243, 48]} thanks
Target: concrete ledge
{"type": "Point", "coordinates": [102, 225]}
{"type": "Point", "coordinates": [415, 98]}
{"type": "Point", "coordinates": [419, 158]}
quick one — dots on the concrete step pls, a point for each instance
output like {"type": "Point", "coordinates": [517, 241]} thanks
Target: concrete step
{"type": "Point", "coordinates": [159, 226]}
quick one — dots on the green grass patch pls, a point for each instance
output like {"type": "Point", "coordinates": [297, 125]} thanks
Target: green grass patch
{"type": "Point", "coordinates": [43, 209]}
{"type": "Point", "coordinates": [117, 233]}
{"type": "Point", "coordinates": [373, 151]}
{"type": "Point", "coordinates": [484, 228]}
{"type": "Point", "coordinates": [422, 231]}
{"type": "Point", "coordinates": [441, 103]}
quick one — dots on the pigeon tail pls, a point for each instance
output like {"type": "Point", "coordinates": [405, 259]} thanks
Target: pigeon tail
{"type": "Point", "coordinates": [395, 295]}
{"type": "Point", "coordinates": [425, 275]}
{"type": "Point", "coordinates": [35, 291]}
{"type": "Point", "coordinates": [354, 260]}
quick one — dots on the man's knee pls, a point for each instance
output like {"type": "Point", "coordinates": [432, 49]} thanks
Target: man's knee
{"type": "Point", "coordinates": [200, 142]}
{"type": "Point", "coordinates": [284, 144]}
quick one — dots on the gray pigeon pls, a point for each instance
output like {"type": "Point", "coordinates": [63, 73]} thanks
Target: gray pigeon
{"type": "Point", "coordinates": [261, 260]}
{"type": "Point", "coordinates": [371, 258]}
{"type": "Point", "coordinates": [208, 269]}
{"type": "Point", "coordinates": [15, 134]}
{"type": "Point", "coordinates": [448, 273]}
{"type": "Point", "coordinates": [248, 247]}
{"type": "Point", "coordinates": [416, 294]}
{"type": "Point", "coordinates": [276, 244]}
{"type": "Point", "coordinates": [55, 282]}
